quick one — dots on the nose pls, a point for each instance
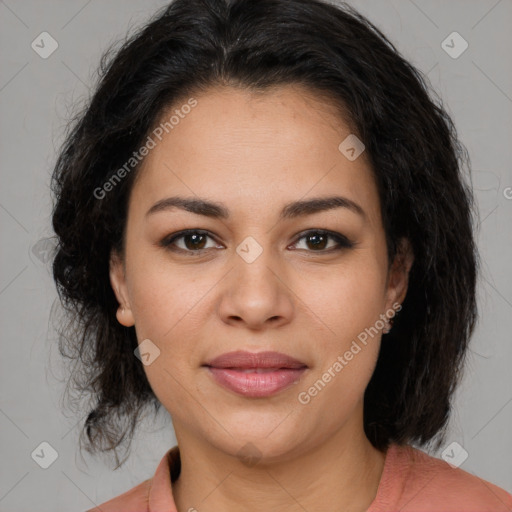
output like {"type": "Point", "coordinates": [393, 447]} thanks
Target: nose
{"type": "Point", "coordinates": [256, 294]}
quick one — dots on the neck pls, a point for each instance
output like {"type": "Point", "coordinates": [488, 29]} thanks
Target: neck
{"type": "Point", "coordinates": [341, 473]}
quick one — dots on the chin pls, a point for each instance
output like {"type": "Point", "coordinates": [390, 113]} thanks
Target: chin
{"type": "Point", "coordinates": [252, 445]}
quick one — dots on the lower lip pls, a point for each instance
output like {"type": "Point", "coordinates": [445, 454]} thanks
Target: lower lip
{"type": "Point", "coordinates": [256, 385]}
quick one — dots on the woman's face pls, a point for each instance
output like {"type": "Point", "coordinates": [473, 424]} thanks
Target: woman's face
{"type": "Point", "coordinates": [262, 278]}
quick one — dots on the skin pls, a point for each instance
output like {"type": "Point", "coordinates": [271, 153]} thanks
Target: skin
{"type": "Point", "coordinates": [256, 153]}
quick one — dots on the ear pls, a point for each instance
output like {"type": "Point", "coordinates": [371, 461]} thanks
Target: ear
{"type": "Point", "coordinates": [398, 275]}
{"type": "Point", "coordinates": [117, 273]}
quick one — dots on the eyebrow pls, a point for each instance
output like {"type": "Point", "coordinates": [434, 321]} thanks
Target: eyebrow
{"type": "Point", "coordinates": [291, 210]}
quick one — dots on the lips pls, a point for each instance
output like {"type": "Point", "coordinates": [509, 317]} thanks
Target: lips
{"type": "Point", "coordinates": [255, 375]}
{"type": "Point", "coordinates": [243, 360]}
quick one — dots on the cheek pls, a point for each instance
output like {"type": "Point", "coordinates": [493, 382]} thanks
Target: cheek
{"type": "Point", "coordinates": [345, 309]}
{"type": "Point", "coordinates": [344, 299]}
{"type": "Point", "coordinates": [166, 310]}
{"type": "Point", "coordinates": [165, 297]}
{"type": "Point", "coordinates": [165, 307]}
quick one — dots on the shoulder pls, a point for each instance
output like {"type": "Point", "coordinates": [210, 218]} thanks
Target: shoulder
{"type": "Point", "coordinates": [420, 482]}
{"type": "Point", "coordinates": [134, 500]}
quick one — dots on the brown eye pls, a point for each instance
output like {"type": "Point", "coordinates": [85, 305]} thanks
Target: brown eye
{"type": "Point", "coordinates": [194, 241]}
{"type": "Point", "coordinates": [188, 241]}
{"type": "Point", "coordinates": [317, 241]}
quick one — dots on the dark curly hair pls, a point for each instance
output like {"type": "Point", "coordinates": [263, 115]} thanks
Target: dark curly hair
{"type": "Point", "coordinates": [416, 159]}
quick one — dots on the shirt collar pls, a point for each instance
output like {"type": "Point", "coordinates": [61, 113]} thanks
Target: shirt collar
{"type": "Point", "coordinates": [160, 497]}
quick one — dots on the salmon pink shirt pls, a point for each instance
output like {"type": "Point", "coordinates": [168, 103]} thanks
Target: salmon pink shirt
{"type": "Point", "coordinates": [411, 481]}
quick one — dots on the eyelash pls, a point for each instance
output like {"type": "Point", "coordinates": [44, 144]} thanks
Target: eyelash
{"type": "Point", "coordinates": [342, 241]}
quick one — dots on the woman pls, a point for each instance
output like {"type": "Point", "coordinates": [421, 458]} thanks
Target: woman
{"type": "Point", "coordinates": [264, 227]}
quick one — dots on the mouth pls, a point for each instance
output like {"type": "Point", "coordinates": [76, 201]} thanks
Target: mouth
{"type": "Point", "coordinates": [255, 375]}
{"type": "Point", "coordinates": [244, 360]}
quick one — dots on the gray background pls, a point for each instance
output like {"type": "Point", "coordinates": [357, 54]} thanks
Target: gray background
{"type": "Point", "coordinates": [36, 95]}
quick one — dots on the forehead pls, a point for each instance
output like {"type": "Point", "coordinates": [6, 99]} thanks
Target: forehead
{"type": "Point", "coordinates": [254, 149]}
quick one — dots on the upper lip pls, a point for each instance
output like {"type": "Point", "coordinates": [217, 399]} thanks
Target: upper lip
{"type": "Point", "coordinates": [245, 360]}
